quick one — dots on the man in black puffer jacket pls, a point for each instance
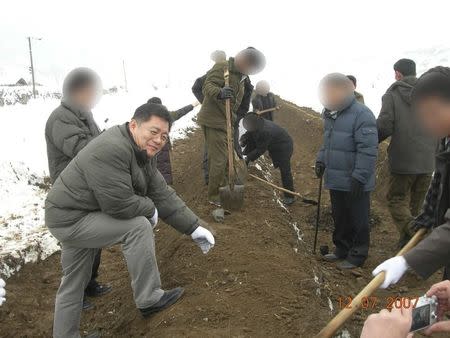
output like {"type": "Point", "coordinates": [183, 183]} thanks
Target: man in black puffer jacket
{"type": "Point", "coordinates": [263, 135]}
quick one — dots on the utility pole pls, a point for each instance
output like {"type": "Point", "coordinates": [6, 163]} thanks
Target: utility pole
{"type": "Point", "coordinates": [125, 76]}
{"type": "Point", "coordinates": [32, 67]}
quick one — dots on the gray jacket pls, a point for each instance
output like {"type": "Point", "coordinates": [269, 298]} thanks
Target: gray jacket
{"type": "Point", "coordinates": [411, 150]}
{"type": "Point", "coordinates": [112, 175]}
{"type": "Point", "coordinates": [350, 147]}
{"type": "Point", "coordinates": [68, 130]}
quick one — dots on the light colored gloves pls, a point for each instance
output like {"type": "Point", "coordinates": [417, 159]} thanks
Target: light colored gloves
{"type": "Point", "coordinates": [394, 268]}
{"type": "Point", "coordinates": [204, 239]}
{"type": "Point", "coordinates": [195, 104]}
{"type": "Point", "coordinates": [154, 219]}
{"type": "Point", "coordinates": [2, 291]}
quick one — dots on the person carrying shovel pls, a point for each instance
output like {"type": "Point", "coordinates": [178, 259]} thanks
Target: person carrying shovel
{"type": "Point", "coordinates": [264, 101]}
{"type": "Point", "coordinates": [212, 115]}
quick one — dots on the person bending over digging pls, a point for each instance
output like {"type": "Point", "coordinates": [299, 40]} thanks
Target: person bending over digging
{"type": "Point", "coordinates": [347, 161]}
{"type": "Point", "coordinates": [263, 135]}
{"type": "Point", "coordinates": [112, 193]}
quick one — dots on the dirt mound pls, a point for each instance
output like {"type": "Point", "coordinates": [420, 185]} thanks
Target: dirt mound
{"type": "Point", "coordinates": [260, 280]}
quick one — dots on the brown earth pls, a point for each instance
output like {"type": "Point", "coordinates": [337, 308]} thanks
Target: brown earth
{"type": "Point", "coordinates": [260, 280]}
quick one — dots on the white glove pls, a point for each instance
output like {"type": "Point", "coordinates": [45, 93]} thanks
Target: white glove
{"type": "Point", "coordinates": [154, 219]}
{"type": "Point", "coordinates": [2, 291]}
{"type": "Point", "coordinates": [195, 104]}
{"type": "Point", "coordinates": [204, 239]}
{"type": "Point", "coordinates": [394, 268]}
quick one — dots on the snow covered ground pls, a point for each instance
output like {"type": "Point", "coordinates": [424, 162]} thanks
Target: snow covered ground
{"type": "Point", "coordinates": [23, 167]}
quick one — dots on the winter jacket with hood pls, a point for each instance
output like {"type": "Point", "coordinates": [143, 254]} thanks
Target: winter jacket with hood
{"type": "Point", "coordinates": [411, 150]}
{"type": "Point", "coordinates": [112, 175]}
{"type": "Point", "coordinates": [260, 103]}
{"type": "Point", "coordinates": [350, 147]}
{"type": "Point", "coordinates": [69, 128]}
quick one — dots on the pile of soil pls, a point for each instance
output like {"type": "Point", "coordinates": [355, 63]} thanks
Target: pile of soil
{"type": "Point", "coordinates": [260, 280]}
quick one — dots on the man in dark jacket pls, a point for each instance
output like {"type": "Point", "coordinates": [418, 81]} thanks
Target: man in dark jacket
{"type": "Point", "coordinates": [347, 160]}
{"type": "Point", "coordinates": [69, 129]}
{"type": "Point", "coordinates": [431, 100]}
{"type": "Point", "coordinates": [263, 135]}
{"type": "Point", "coordinates": [358, 96]}
{"type": "Point", "coordinates": [411, 150]}
{"type": "Point", "coordinates": [112, 193]}
{"type": "Point", "coordinates": [264, 99]}
{"type": "Point", "coordinates": [163, 163]}
{"type": "Point", "coordinates": [212, 115]}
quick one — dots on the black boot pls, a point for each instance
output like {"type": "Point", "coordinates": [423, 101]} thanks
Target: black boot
{"type": "Point", "coordinates": [94, 289]}
{"type": "Point", "coordinates": [169, 298]}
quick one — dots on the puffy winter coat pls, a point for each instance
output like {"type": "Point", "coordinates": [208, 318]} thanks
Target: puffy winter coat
{"type": "Point", "coordinates": [68, 130]}
{"type": "Point", "coordinates": [411, 150]}
{"type": "Point", "coordinates": [112, 175]}
{"type": "Point", "coordinates": [260, 103]}
{"type": "Point", "coordinates": [349, 149]}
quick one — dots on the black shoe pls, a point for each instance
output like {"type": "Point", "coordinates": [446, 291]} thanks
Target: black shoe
{"type": "Point", "coordinates": [346, 265]}
{"type": "Point", "coordinates": [96, 290]}
{"type": "Point", "coordinates": [332, 257]}
{"type": "Point", "coordinates": [169, 298]}
{"type": "Point", "coordinates": [87, 305]}
{"type": "Point", "coordinates": [288, 200]}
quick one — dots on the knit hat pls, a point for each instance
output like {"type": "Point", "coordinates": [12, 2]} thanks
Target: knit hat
{"type": "Point", "coordinates": [353, 79]}
{"type": "Point", "coordinates": [155, 100]}
{"type": "Point", "coordinates": [435, 82]}
{"type": "Point", "coordinates": [406, 67]}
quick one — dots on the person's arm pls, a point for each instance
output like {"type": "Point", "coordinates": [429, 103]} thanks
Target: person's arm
{"type": "Point", "coordinates": [197, 88]}
{"type": "Point", "coordinates": [366, 140]}
{"type": "Point", "coordinates": [178, 114]}
{"type": "Point", "coordinates": [171, 208]}
{"type": "Point", "coordinates": [262, 144]}
{"type": "Point", "coordinates": [386, 119]}
{"type": "Point", "coordinates": [214, 81]}
{"type": "Point", "coordinates": [69, 138]}
{"type": "Point", "coordinates": [108, 176]}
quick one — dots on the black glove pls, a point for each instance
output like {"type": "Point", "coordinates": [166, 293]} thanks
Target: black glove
{"type": "Point", "coordinates": [357, 188]}
{"type": "Point", "coordinates": [319, 169]}
{"type": "Point", "coordinates": [225, 93]}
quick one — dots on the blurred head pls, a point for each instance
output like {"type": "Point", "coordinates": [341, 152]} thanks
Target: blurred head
{"type": "Point", "coordinates": [155, 100]}
{"type": "Point", "coordinates": [335, 89]}
{"type": "Point", "coordinates": [353, 79]}
{"type": "Point", "coordinates": [250, 61]}
{"type": "Point", "coordinates": [431, 100]}
{"type": "Point", "coordinates": [404, 67]}
{"type": "Point", "coordinates": [218, 56]}
{"type": "Point", "coordinates": [83, 87]}
{"type": "Point", "coordinates": [150, 127]}
{"type": "Point", "coordinates": [262, 88]}
{"type": "Point", "coordinates": [252, 122]}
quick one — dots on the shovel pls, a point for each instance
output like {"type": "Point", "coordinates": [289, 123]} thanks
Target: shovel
{"type": "Point", "coordinates": [232, 195]}
{"type": "Point", "coordinates": [260, 112]}
{"type": "Point", "coordinates": [302, 198]}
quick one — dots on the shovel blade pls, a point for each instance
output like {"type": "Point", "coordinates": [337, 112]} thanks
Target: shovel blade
{"type": "Point", "coordinates": [232, 199]}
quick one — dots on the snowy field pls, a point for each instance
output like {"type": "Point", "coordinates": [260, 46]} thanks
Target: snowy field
{"type": "Point", "coordinates": [23, 166]}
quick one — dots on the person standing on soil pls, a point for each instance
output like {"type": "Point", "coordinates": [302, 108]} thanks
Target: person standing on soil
{"type": "Point", "coordinates": [411, 150]}
{"type": "Point", "coordinates": [69, 129]}
{"type": "Point", "coordinates": [263, 135]}
{"type": "Point", "coordinates": [212, 113]}
{"type": "Point", "coordinates": [347, 160]}
{"type": "Point", "coordinates": [264, 99]}
{"type": "Point", "coordinates": [112, 193]}
{"type": "Point", "coordinates": [359, 97]}
{"type": "Point", "coordinates": [163, 159]}
{"type": "Point", "coordinates": [431, 100]}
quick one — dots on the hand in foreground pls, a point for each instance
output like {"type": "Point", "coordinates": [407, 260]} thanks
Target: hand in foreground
{"type": "Point", "coordinates": [204, 239]}
{"type": "Point", "coordinates": [442, 292]}
{"type": "Point", "coordinates": [225, 93]}
{"type": "Point", "coordinates": [394, 324]}
{"type": "Point", "coordinates": [394, 268]}
{"type": "Point", "coordinates": [2, 291]}
{"type": "Point", "coordinates": [319, 169]}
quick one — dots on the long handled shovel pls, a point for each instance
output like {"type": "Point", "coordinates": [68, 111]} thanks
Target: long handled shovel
{"type": "Point", "coordinates": [260, 112]}
{"type": "Point", "coordinates": [331, 328]}
{"type": "Point", "coordinates": [232, 195]}
{"type": "Point", "coordinates": [318, 214]}
{"type": "Point", "coordinates": [302, 198]}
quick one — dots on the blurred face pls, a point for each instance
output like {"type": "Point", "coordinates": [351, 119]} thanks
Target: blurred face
{"type": "Point", "coordinates": [333, 96]}
{"type": "Point", "coordinates": [87, 97]}
{"type": "Point", "coordinates": [398, 76]}
{"type": "Point", "coordinates": [435, 115]}
{"type": "Point", "coordinates": [151, 135]}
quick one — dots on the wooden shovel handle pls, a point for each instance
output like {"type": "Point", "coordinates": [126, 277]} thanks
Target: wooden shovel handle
{"type": "Point", "coordinates": [226, 76]}
{"type": "Point", "coordinates": [259, 112]}
{"type": "Point", "coordinates": [331, 328]}
{"type": "Point", "coordinates": [276, 186]}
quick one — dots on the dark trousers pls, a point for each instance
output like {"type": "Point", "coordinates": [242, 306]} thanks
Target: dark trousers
{"type": "Point", "coordinates": [93, 282]}
{"type": "Point", "coordinates": [286, 176]}
{"type": "Point", "coordinates": [351, 234]}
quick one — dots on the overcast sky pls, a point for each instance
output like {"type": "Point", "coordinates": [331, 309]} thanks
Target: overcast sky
{"type": "Point", "coordinates": [170, 41]}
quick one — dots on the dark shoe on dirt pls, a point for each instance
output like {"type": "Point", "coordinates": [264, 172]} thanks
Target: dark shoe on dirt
{"type": "Point", "coordinates": [96, 290]}
{"type": "Point", "coordinates": [288, 200]}
{"type": "Point", "coordinates": [346, 265]}
{"type": "Point", "coordinates": [87, 305]}
{"type": "Point", "coordinates": [332, 257]}
{"type": "Point", "coordinates": [168, 299]}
